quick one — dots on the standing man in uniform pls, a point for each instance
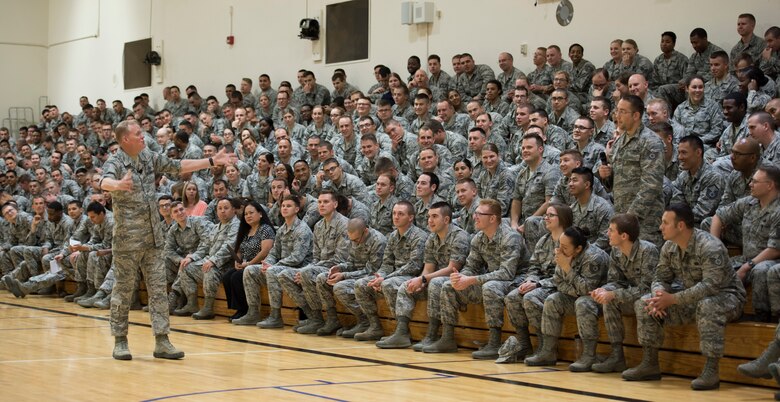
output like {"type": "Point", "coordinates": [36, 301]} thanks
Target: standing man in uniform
{"type": "Point", "coordinates": [129, 176]}
{"type": "Point", "coordinates": [636, 168]}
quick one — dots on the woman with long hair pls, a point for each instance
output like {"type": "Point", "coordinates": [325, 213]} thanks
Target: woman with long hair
{"type": "Point", "coordinates": [254, 240]}
{"type": "Point", "coordinates": [457, 102]}
{"type": "Point", "coordinates": [285, 172]}
{"type": "Point", "coordinates": [190, 197]}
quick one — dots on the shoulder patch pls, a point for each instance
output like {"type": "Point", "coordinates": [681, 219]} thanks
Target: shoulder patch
{"type": "Point", "coordinates": [712, 192]}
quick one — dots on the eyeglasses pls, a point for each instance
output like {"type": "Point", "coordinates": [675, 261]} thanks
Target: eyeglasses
{"type": "Point", "coordinates": [560, 80]}
{"type": "Point", "coordinates": [164, 205]}
{"type": "Point", "coordinates": [550, 216]}
{"type": "Point", "coordinates": [330, 169]}
{"type": "Point", "coordinates": [482, 213]}
{"type": "Point", "coordinates": [582, 128]}
{"type": "Point", "coordinates": [558, 98]}
{"type": "Point", "coordinates": [742, 153]}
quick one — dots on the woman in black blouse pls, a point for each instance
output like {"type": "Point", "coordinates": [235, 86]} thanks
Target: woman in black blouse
{"type": "Point", "coordinates": [253, 242]}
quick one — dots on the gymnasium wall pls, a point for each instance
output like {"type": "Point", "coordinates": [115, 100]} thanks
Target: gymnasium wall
{"type": "Point", "coordinates": [191, 35]}
{"type": "Point", "coordinates": [23, 54]}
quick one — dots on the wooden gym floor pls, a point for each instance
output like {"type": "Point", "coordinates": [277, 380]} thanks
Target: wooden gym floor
{"type": "Point", "coordinates": [52, 350]}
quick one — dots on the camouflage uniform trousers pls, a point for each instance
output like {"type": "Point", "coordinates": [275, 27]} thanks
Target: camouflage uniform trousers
{"type": "Point", "coordinates": [108, 284]}
{"type": "Point", "coordinates": [17, 255]}
{"type": "Point", "coordinates": [128, 265]}
{"type": "Point", "coordinates": [6, 265]}
{"type": "Point", "coordinates": [729, 235]}
{"type": "Point", "coordinates": [45, 280]}
{"type": "Point", "coordinates": [405, 301]}
{"type": "Point", "coordinates": [491, 294]}
{"type": "Point", "coordinates": [32, 257]}
{"type": "Point", "coordinates": [344, 291]}
{"type": "Point", "coordinates": [325, 292]}
{"type": "Point", "coordinates": [777, 332]}
{"type": "Point", "coordinates": [67, 268]}
{"type": "Point", "coordinates": [254, 278]}
{"type": "Point", "coordinates": [193, 274]}
{"type": "Point", "coordinates": [773, 284]}
{"type": "Point", "coordinates": [305, 293]}
{"type": "Point", "coordinates": [710, 315]}
{"type": "Point", "coordinates": [758, 277]}
{"type": "Point", "coordinates": [172, 268]}
{"type": "Point", "coordinates": [588, 310]}
{"type": "Point", "coordinates": [48, 279]}
{"type": "Point", "coordinates": [19, 268]}
{"type": "Point", "coordinates": [526, 309]}
{"type": "Point", "coordinates": [21, 273]}
{"type": "Point", "coordinates": [97, 268]}
{"type": "Point", "coordinates": [367, 297]}
{"type": "Point", "coordinates": [557, 306]}
{"type": "Point", "coordinates": [79, 266]}
{"type": "Point", "coordinates": [613, 319]}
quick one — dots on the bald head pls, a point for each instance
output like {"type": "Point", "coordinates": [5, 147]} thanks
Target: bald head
{"type": "Point", "coordinates": [420, 75]}
{"type": "Point", "coordinates": [747, 146]}
{"type": "Point", "coordinates": [637, 85]}
{"type": "Point", "coordinates": [356, 225]}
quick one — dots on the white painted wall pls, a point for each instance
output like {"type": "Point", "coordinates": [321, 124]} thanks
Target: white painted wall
{"type": "Point", "coordinates": [23, 54]}
{"type": "Point", "coordinates": [192, 33]}
{"type": "Point", "coordinates": [87, 65]}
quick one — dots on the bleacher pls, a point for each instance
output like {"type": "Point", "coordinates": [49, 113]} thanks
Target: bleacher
{"type": "Point", "coordinates": [680, 355]}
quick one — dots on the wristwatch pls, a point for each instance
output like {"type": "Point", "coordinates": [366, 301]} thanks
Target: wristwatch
{"type": "Point", "coordinates": [424, 280]}
{"type": "Point", "coordinates": [751, 264]}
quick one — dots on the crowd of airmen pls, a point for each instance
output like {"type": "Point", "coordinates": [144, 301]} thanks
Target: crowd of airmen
{"type": "Point", "coordinates": [567, 191]}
